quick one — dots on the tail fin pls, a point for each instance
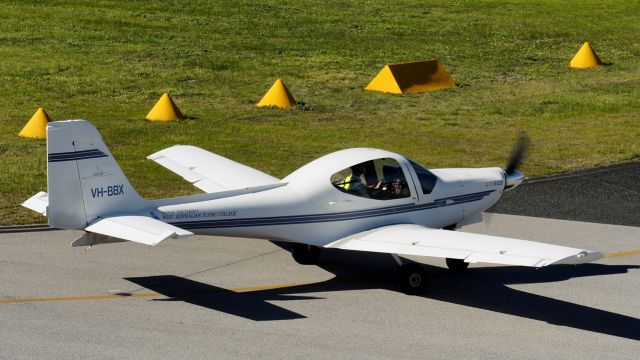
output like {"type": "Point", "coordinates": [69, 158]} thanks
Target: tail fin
{"type": "Point", "coordinates": [84, 181]}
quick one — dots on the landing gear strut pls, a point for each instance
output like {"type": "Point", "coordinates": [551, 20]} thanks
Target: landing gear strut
{"type": "Point", "coordinates": [305, 254]}
{"type": "Point", "coordinates": [456, 265]}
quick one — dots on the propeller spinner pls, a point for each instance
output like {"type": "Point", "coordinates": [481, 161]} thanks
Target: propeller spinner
{"type": "Point", "coordinates": [513, 177]}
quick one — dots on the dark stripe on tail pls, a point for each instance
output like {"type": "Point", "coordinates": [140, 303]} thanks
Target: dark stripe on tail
{"type": "Point", "coordinates": [76, 155]}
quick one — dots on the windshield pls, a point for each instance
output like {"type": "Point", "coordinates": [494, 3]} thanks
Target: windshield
{"type": "Point", "coordinates": [426, 178]}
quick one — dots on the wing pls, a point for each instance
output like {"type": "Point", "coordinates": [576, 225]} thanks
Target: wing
{"type": "Point", "coordinates": [208, 171]}
{"type": "Point", "coordinates": [408, 239]}
{"type": "Point", "coordinates": [140, 229]}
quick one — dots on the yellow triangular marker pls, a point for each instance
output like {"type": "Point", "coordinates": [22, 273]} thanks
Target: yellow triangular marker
{"type": "Point", "coordinates": [278, 95]}
{"type": "Point", "coordinates": [411, 77]}
{"type": "Point", "coordinates": [37, 125]}
{"type": "Point", "coordinates": [585, 58]}
{"type": "Point", "coordinates": [164, 110]}
{"type": "Point", "coordinates": [384, 82]}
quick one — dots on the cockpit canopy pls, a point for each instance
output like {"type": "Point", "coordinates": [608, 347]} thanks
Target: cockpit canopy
{"type": "Point", "coordinates": [363, 172]}
{"type": "Point", "coordinates": [381, 179]}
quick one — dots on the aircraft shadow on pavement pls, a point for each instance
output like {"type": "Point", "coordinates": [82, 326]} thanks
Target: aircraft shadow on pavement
{"type": "Point", "coordinates": [486, 288]}
{"type": "Point", "coordinates": [249, 305]}
{"type": "Point", "coordinates": [483, 288]}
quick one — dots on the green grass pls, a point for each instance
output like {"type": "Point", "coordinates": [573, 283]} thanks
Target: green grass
{"type": "Point", "coordinates": [109, 61]}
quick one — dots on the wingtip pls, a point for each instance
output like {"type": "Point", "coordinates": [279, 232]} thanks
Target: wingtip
{"type": "Point", "coordinates": [580, 258]}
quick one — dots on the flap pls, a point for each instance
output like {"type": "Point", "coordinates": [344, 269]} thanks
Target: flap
{"type": "Point", "coordinates": [407, 239]}
{"type": "Point", "coordinates": [208, 171]}
{"type": "Point", "coordinates": [38, 203]}
{"type": "Point", "coordinates": [140, 229]}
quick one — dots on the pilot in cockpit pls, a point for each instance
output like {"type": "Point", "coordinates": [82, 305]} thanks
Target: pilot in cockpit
{"type": "Point", "coordinates": [353, 183]}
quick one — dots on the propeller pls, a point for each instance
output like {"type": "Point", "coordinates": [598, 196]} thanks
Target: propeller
{"type": "Point", "coordinates": [518, 153]}
{"type": "Point", "coordinates": [513, 177]}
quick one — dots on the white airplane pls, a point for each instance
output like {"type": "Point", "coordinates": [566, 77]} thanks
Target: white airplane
{"type": "Point", "coordinates": [355, 199]}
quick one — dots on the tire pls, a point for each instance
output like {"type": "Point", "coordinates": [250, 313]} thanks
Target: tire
{"type": "Point", "coordinates": [457, 265]}
{"type": "Point", "coordinates": [305, 254]}
{"type": "Point", "coordinates": [412, 279]}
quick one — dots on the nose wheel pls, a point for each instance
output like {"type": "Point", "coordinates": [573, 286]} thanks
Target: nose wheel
{"type": "Point", "coordinates": [305, 254]}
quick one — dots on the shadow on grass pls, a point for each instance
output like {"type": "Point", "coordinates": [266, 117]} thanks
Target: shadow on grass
{"type": "Point", "coordinates": [482, 288]}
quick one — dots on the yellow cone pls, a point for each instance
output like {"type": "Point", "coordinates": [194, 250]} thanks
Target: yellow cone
{"type": "Point", "coordinates": [585, 58]}
{"type": "Point", "coordinates": [164, 110]}
{"type": "Point", "coordinates": [37, 125]}
{"type": "Point", "coordinates": [278, 95]}
{"type": "Point", "coordinates": [411, 77]}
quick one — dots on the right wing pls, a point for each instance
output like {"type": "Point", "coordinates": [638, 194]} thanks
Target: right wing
{"type": "Point", "coordinates": [208, 171]}
{"type": "Point", "coordinates": [408, 239]}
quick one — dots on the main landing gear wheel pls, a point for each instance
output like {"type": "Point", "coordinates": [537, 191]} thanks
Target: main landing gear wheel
{"type": "Point", "coordinates": [412, 279]}
{"type": "Point", "coordinates": [305, 254]}
{"type": "Point", "coordinates": [457, 265]}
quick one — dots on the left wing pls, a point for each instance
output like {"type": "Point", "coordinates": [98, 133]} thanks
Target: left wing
{"type": "Point", "coordinates": [408, 239]}
{"type": "Point", "coordinates": [208, 171]}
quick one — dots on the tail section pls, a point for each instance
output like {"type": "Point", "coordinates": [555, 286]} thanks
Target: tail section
{"type": "Point", "coordinates": [84, 181]}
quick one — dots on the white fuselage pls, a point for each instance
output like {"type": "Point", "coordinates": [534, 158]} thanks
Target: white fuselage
{"type": "Point", "coordinates": [308, 209]}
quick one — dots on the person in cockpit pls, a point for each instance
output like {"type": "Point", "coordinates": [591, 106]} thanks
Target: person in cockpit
{"type": "Point", "coordinates": [352, 183]}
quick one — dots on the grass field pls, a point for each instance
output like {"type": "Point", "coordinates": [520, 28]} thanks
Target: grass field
{"type": "Point", "coordinates": [109, 61]}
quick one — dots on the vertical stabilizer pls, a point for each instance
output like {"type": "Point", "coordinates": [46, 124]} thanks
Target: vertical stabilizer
{"type": "Point", "coordinates": [84, 181]}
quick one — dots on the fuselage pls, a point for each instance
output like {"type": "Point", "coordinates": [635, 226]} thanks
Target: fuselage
{"type": "Point", "coordinates": [313, 208]}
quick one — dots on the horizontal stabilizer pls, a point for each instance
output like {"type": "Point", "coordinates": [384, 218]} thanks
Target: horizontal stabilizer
{"type": "Point", "coordinates": [421, 241]}
{"type": "Point", "coordinates": [91, 239]}
{"type": "Point", "coordinates": [38, 203]}
{"type": "Point", "coordinates": [210, 172]}
{"type": "Point", "coordinates": [140, 229]}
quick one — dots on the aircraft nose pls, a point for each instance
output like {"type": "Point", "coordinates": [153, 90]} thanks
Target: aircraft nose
{"type": "Point", "coordinates": [513, 179]}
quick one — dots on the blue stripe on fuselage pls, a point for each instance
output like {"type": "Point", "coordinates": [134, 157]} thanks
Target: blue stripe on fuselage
{"type": "Point", "coordinates": [314, 218]}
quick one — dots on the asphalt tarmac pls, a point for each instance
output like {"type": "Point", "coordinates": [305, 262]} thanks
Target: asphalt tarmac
{"type": "Point", "coordinates": [609, 195]}
{"type": "Point", "coordinates": [213, 297]}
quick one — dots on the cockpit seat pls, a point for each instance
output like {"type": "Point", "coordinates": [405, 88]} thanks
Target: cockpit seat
{"type": "Point", "coordinates": [390, 173]}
